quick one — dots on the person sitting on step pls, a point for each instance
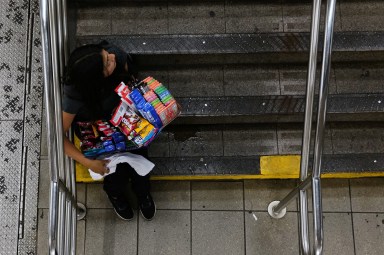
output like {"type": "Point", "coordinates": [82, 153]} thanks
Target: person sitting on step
{"type": "Point", "coordinates": [92, 73]}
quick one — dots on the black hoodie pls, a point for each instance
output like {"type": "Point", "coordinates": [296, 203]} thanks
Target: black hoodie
{"type": "Point", "coordinates": [73, 102]}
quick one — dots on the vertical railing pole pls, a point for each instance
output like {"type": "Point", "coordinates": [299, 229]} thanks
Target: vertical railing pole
{"type": "Point", "coordinates": [276, 208]}
{"type": "Point", "coordinates": [67, 224]}
{"type": "Point", "coordinates": [49, 96]}
{"type": "Point", "coordinates": [63, 206]}
{"type": "Point", "coordinates": [65, 31]}
{"type": "Point", "coordinates": [311, 78]}
{"type": "Point", "coordinates": [321, 117]}
{"type": "Point", "coordinates": [57, 122]}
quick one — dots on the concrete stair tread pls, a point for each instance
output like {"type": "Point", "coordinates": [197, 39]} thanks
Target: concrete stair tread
{"type": "Point", "coordinates": [285, 104]}
{"type": "Point", "coordinates": [236, 43]}
{"type": "Point", "coordinates": [194, 50]}
{"type": "Point", "coordinates": [257, 166]}
{"type": "Point", "coordinates": [254, 109]}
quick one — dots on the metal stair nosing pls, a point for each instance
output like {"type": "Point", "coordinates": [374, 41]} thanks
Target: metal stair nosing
{"type": "Point", "coordinates": [237, 43]}
{"type": "Point", "coordinates": [264, 167]}
{"type": "Point", "coordinates": [258, 108]}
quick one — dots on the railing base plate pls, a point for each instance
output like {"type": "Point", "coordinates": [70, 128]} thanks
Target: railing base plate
{"type": "Point", "coordinates": [81, 211]}
{"type": "Point", "coordinates": [273, 214]}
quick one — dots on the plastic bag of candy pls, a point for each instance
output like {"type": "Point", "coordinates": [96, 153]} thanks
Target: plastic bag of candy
{"type": "Point", "coordinates": [149, 98]}
{"type": "Point", "coordinates": [145, 108]}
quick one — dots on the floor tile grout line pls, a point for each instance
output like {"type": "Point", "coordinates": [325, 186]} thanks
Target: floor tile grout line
{"type": "Point", "coordinates": [353, 228]}
{"type": "Point", "coordinates": [137, 234]}
{"type": "Point", "coordinates": [239, 210]}
{"type": "Point", "coordinates": [38, 226]}
{"type": "Point", "coordinates": [190, 218]}
{"type": "Point", "coordinates": [85, 234]}
{"type": "Point", "coordinates": [85, 219]}
{"type": "Point", "coordinates": [368, 212]}
{"type": "Point", "coordinates": [244, 225]}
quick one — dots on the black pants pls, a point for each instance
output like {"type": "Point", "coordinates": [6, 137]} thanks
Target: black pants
{"type": "Point", "coordinates": [116, 183]}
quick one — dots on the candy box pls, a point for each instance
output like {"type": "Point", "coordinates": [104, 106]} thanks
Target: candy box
{"type": "Point", "coordinates": [150, 99]}
{"type": "Point", "coordinates": [102, 138]}
{"type": "Point", "coordinates": [145, 109]}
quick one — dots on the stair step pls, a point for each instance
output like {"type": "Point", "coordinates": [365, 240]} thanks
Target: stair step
{"type": "Point", "coordinates": [258, 167]}
{"type": "Point", "coordinates": [261, 150]}
{"type": "Point", "coordinates": [237, 43]}
{"type": "Point", "coordinates": [243, 127]}
{"type": "Point", "coordinates": [270, 167]}
{"type": "Point", "coordinates": [269, 108]}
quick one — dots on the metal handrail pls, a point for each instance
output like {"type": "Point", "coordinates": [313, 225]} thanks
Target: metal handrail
{"type": "Point", "coordinates": [63, 207]}
{"type": "Point", "coordinates": [277, 209]}
{"type": "Point", "coordinates": [311, 79]}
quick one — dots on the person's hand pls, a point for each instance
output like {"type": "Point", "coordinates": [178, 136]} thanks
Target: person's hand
{"type": "Point", "coordinates": [99, 166]}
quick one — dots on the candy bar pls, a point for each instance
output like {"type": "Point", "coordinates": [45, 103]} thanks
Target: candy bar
{"type": "Point", "coordinates": [145, 108]}
{"type": "Point", "coordinates": [119, 113]}
{"type": "Point", "coordinates": [122, 90]}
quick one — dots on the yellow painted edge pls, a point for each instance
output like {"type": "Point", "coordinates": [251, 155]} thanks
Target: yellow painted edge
{"type": "Point", "coordinates": [281, 165]}
{"type": "Point", "coordinates": [82, 174]}
{"type": "Point", "coordinates": [257, 177]}
{"type": "Point", "coordinates": [352, 175]}
{"type": "Point", "coordinates": [203, 177]}
{"type": "Point", "coordinates": [288, 167]}
{"type": "Point", "coordinates": [271, 167]}
{"type": "Point", "coordinates": [250, 177]}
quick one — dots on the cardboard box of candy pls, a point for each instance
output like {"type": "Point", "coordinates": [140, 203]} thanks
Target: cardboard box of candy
{"type": "Point", "coordinates": [145, 109]}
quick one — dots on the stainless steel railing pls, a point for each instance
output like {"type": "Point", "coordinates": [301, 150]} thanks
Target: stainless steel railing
{"type": "Point", "coordinates": [64, 210]}
{"type": "Point", "coordinates": [277, 208]}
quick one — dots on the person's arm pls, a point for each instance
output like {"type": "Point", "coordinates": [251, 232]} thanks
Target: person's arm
{"type": "Point", "coordinates": [97, 166]}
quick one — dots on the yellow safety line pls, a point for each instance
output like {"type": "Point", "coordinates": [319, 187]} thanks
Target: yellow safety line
{"type": "Point", "coordinates": [288, 167]}
{"type": "Point", "coordinates": [247, 177]}
{"type": "Point", "coordinates": [275, 166]}
{"type": "Point", "coordinates": [271, 167]}
{"type": "Point", "coordinates": [257, 177]}
{"type": "Point", "coordinates": [204, 177]}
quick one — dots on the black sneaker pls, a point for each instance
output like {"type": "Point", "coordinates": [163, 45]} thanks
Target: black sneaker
{"type": "Point", "coordinates": [122, 207]}
{"type": "Point", "coordinates": [147, 207]}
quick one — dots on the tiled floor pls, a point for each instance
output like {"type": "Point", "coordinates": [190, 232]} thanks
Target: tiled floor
{"type": "Point", "coordinates": [227, 218]}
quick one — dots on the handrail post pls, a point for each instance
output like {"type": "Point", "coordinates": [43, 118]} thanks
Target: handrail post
{"type": "Point", "coordinates": [57, 152]}
{"type": "Point", "coordinates": [322, 112]}
{"type": "Point", "coordinates": [311, 79]}
{"type": "Point", "coordinates": [63, 206]}
{"type": "Point", "coordinates": [48, 91]}
{"type": "Point", "coordinates": [276, 208]}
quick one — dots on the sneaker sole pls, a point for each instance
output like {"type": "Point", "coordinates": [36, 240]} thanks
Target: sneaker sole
{"type": "Point", "coordinates": [152, 216]}
{"type": "Point", "coordinates": [122, 217]}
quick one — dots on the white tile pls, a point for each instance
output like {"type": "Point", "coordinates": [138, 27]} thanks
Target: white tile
{"type": "Point", "coordinates": [217, 233]}
{"type": "Point", "coordinates": [169, 233]}
{"type": "Point", "coordinates": [217, 195]}
{"type": "Point", "coordinates": [266, 235]}
{"type": "Point", "coordinates": [108, 234]}
{"type": "Point", "coordinates": [367, 195]}
{"type": "Point", "coordinates": [171, 194]}
{"type": "Point", "coordinates": [369, 233]}
{"type": "Point", "coordinates": [260, 193]}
